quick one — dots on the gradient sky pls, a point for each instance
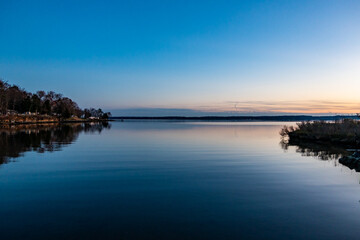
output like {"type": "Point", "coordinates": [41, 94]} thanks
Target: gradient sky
{"type": "Point", "coordinates": [170, 57]}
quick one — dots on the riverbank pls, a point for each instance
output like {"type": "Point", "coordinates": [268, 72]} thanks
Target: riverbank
{"type": "Point", "coordinates": [22, 119]}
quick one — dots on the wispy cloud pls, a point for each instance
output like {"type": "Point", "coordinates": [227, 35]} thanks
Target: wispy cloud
{"type": "Point", "coordinates": [315, 107]}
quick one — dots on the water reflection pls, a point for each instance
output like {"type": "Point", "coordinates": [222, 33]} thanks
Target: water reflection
{"type": "Point", "coordinates": [16, 140]}
{"type": "Point", "coordinates": [321, 151]}
{"type": "Point", "coordinates": [157, 180]}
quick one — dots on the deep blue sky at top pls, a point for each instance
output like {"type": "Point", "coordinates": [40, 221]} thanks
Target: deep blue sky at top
{"type": "Point", "coordinates": [183, 54]}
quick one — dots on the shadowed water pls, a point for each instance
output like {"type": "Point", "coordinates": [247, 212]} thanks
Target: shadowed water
{"type": "Point", "coordinates": [171, 180]}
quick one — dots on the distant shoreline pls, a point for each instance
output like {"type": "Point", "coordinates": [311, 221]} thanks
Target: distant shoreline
{"type": "Point", "coordinates": [284, 118]}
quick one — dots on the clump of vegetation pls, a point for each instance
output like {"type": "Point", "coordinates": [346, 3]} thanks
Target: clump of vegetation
{"type": "Point", "coordinates": [343, 132]}
{"type": "Point", "coordinates": [15, 100]}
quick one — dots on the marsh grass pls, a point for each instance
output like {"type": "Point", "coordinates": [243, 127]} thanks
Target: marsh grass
{"type": "Point", "coordinates": [343, 132]}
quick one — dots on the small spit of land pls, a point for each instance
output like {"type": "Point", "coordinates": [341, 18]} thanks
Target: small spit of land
{"type": "Point", "coordinates": [345, 132]}
{"type": "Point", "coordinates": [342, 134]}
{"type": "Point", "coordinates": [18, 106]}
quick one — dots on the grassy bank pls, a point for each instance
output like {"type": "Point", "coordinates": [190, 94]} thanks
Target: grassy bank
{"type": "Point", "coordinates": [8, 120]}
{"type": "Point", "coordinates": [343, 132]}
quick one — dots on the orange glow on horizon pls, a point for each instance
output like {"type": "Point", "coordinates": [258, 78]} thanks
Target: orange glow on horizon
{"type": "Point", "coordinates": [280, 107]}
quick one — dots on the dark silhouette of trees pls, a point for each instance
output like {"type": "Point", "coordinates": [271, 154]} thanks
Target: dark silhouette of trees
{"type": "Point", "coordinates": [106, 115]}
{"type": "Point", "coordinates": [35, 104]}
{"type": "Point", "coordinates": [14, 99]}
{"type": "Point", "coordinates": [4, 86]}
{"type": "Point", "coordinates": [96, 113]}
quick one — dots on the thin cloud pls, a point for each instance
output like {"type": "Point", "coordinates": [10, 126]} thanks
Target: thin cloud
{"type": "Point", "coordinates": [315, 107]}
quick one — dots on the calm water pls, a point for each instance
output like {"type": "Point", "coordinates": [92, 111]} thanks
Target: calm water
{"type": "Point", "coordinates": [170, 180]}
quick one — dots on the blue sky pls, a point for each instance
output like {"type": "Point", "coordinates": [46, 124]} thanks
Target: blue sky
{"type": "Point", "coordinates": [208, 56]}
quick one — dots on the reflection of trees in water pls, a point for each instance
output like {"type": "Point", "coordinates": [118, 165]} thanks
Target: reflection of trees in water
{"type": "Point", "coordinates": [42, 138]}
{"type": "Point", "coordinates": [338, 155]}
{"type": "Point", "coordinates": [323, 151]}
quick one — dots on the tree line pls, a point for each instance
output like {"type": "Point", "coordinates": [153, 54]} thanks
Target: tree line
{"type": "Point", "coordinates": [14, 99]}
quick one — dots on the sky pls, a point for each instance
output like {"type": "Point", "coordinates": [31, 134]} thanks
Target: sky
{"type": "Point", "coordinates": [187, 57]}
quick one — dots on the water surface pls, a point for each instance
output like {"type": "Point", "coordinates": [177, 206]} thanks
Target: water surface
{"type": "Point", "coordinates": [171, 180]}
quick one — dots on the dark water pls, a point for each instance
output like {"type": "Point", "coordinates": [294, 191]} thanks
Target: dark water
{"type": "Point", "coordinates": [161, 180]}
